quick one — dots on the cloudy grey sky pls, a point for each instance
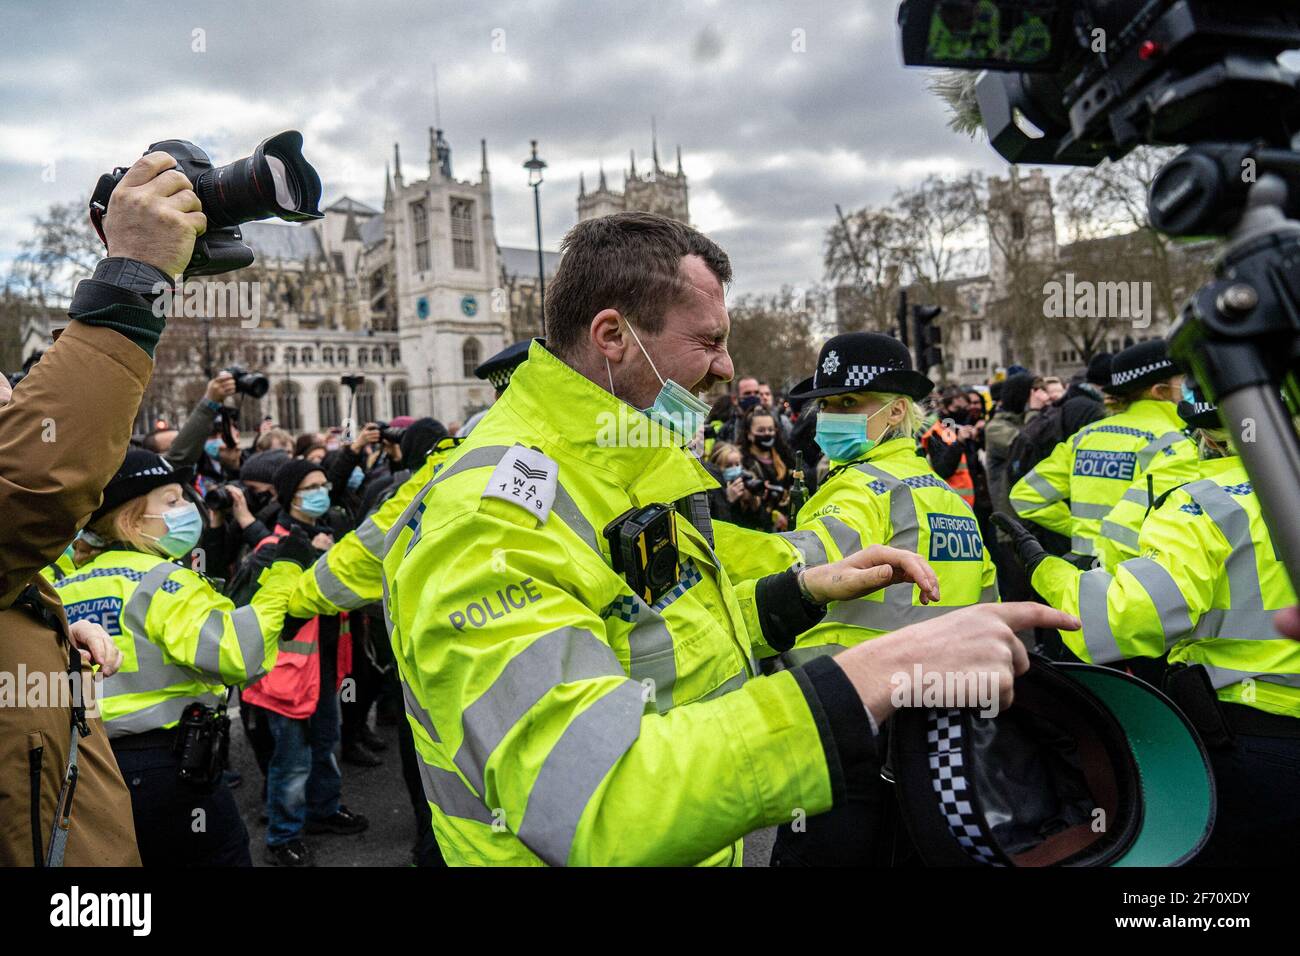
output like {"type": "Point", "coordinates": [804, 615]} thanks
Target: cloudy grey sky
{"type": "Point", "coordinates": [782, 109]}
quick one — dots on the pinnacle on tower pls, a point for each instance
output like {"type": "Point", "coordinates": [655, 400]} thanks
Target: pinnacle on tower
{"type": "Point", "coordinates": [388, 184]}
{"type": "Point", "coordinates": [654, 145]}
{"type": "Point", "coordinates": [632, 153]}
{"type": "Point", "coordinates": [397, 165]}
{"type": "Point", "coordinates": [483, 169]}
{"type": "Point", "coordinates": [602, 176]}
{"type": "Point", "coordinates": [582, 186]}
{"type": "Point", "coordinates": [679, 159]}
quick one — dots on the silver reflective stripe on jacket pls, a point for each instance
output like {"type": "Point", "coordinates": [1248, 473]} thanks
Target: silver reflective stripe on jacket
{"type": "Point", "coordinates": [1095, 616]}
{"type": "Point", "coordinates": [562, 656]}
{"type": "Point", "coordinates": [797, 656]}
{"type": "Point", "coordinates": [590, 746]}
{"type": "Point", "coordinates": [334, 590]}
{"type": "Point", "coordinates": [151, 673]}
{"type": "Point", "coordinates": [1086, 511]}
{"type": "Point", "coordinates": [1049, 493]}
{"type": "Point", "coordinates": [450, 795]}
{"type": "Point", "coordinates": [652, 659]}
{"type": "Point", "coordinates": [1233, 523]}
{"type": "Point", "coordinates": [1120, 534]}
{"type": "Point", "coordinates": [152, 718]}
{"type": "Point", "coordinates": [1156, 447]}
{"type": "Point", "coordinates": [371, 537]}
{"type": "Point", "coordinates": [1081, 545]}
{"type": "Point", "coordinates": [1226, 676]}
{"type": "Point", "coordinates": [808, 545]}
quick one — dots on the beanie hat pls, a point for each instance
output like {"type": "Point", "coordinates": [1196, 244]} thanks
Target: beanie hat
{"type": "Point", "coordinates": [263, 465]}
{"type": "Point", "coordinates": [1015, 393]}
{"type": "Point", "coordinates": [290, 476]}
{"type": "Point", "coordinates": [418, 440]}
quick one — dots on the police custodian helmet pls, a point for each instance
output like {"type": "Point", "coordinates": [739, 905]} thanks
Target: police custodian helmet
{"type": "Point", "coordinates": [1089, 767]}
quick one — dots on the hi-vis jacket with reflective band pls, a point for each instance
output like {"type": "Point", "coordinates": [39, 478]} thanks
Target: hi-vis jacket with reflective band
{"type": "Point", "coordinates": [891, 496]}
{"type": "Point", "coordinates": [558, 718]}
{"type": "Point", "coordinates": [347, 576]}
{"type": "Point", "coordinates": [1205, 589]}
{"type": "Point", "coordinates": [181, 640]}
{"type": "Point", "coordinates": [1078, 486]}
{"type": "Point", "coordinates": [63, 566]}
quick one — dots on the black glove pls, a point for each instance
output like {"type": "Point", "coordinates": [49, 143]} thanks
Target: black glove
{"type": "Point", "coordinates": [296, 547]}
{"type": "Point", "coordinates": [1029, 552]}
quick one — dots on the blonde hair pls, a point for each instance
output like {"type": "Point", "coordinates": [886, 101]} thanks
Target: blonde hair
{"type": "Point", "coordinates": [913, 420]}
{"type": "Point", "coordinates": [720, 451]}
{"type": "Point", "coordinates": [123, 525]}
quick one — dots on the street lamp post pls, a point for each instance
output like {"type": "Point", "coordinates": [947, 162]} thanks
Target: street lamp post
{"type": "Point", "coordinates": [535, 167]}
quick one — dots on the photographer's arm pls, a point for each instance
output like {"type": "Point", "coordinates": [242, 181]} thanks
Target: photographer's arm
{"type": "Point", "coordinates": [66, 429]}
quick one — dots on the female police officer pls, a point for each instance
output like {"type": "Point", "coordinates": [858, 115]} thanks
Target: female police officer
{"type": "Point", "coordinates": [182, 641]}
{"type": "Point", "coordinates": [878, 491]}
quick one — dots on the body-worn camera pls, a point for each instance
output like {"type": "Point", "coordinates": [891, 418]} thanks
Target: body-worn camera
{"type": "Point", "coordinates": [249, 383]}
{"type": "Point", "coordinates": [643, 546]}
{"type": "Point", "coordinates": [202, 744]}
{"type": "Point", "coordinates": [275, 181]}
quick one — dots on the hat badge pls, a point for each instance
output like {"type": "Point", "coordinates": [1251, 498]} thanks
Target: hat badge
{"type": "Point", "coordinates": [830, 363]}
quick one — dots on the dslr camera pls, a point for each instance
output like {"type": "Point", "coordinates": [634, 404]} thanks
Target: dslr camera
{"type": "Point", "coordinates": [254, 384]}
{"type": "Point", "coordinates": [275, 181]}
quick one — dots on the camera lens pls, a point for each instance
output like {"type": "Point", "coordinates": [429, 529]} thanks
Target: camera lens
{"type": "Point", "coordinates": [275, 181]}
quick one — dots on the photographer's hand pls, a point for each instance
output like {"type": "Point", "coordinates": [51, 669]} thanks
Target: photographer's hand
{"type": "Point", "coordinates": [239, 507]}
{"type": "Point", "coordinates": [154, 215]}
{"type": "Point", "coordinates": [367, 436]}
{"type": "Point", "coordinates": [221, 387]}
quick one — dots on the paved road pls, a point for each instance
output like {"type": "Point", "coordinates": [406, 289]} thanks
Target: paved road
{"type": "Point", "coordinates": [377, 792]}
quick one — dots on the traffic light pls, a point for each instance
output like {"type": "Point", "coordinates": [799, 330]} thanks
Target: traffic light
{"type": "Point", "coordinates": [928, 336]}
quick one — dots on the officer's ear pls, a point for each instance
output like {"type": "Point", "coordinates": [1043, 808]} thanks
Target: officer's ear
{"type": "Point", "coordinates": [608, 334]}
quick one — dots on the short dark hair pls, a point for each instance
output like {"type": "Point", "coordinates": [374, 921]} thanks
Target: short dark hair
{"type": "Point", "coordinates": [630, 261]}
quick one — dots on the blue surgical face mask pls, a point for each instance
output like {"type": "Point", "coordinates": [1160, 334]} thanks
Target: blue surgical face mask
{"type": "Point", "coordinates": [355, 479]}
{"type": "Point", "coordinates": [732, 473]}
{"type": "Point", "coordinates": [314, 503]}
{"type": "Point", "coordinates": [844, 436]}
{"type": "Point", "coordinates": [674, 408]}
{"type": "Point", "coordinates": [1189, 396]}
{"type": "Point", "coordinates": [184, 526]}
{"type": "Point", "coordinates": [213, 447]}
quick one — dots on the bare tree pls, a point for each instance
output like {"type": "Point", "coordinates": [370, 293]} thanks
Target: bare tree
{"type": "Point", "coordinates": [865, 253]}
{"type": "Point", "coordinates": [773, 337]}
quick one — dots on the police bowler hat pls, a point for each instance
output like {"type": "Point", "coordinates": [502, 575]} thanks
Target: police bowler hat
{"type": "Point", "coordinates": [1089, 767]}
{"type": "Point", "coordinates": [864, 362]}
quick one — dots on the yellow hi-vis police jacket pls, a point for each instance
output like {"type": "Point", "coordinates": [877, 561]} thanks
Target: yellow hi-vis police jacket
{"type": "Point", "coordinates": [1075, 488]}
{"type": "Point", "coordinates": [181, 640]}
{"type": "Point", "coordinates": [1205, 589]}
{"type": "Point", "coordinates": [558, 717]}
{"type": "Point", "coordinates": [347, 576]}
{"type": "Point", "coordinates": [890, 496]}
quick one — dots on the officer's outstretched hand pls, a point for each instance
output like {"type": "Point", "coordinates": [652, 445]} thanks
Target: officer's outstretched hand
{"type": "Point", "coordinates": [870, 570]}
{"type": "Point", "coordinates": [1029, 551]}
{"type": "Point", "coordinates": [973, 646]}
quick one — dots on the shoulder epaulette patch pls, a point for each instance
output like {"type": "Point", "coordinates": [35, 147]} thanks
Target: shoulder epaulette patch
{"type": "Point", "coordinates": [526, 478]}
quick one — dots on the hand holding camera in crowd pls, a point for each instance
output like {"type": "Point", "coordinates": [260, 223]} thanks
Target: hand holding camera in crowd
{"type": "Point", "coordinates": [154, 215]}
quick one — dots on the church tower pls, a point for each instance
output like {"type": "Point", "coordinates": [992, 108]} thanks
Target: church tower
{"type": "Point", "coordinates": [657, 190]}
{"type": "Point", "coordinates": [446, 268]}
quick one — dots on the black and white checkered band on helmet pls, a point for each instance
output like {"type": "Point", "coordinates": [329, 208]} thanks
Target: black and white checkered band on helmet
{"type": "Point", "coordinates": [163, 468]}
{"type": "Point", "coordinates": [864, 375]}
{"type": "Point", "coordinates": [948, 777]}
{"type": "Point", "coordinates": [1123, 377]}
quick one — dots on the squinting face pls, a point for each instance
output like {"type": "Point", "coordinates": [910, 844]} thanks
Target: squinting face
{"type": "Point", "coordinates": [692, 348]}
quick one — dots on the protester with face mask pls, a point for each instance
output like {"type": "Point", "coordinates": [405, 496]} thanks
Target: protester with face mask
{"type": "Point", "coordinates": [292, 714]}
{"type": "Point", "coordinates": [878, 492]}
{"type": "Point", "coordinates": [184, 645]}
{"type": "Point", "coordinates": [725, 466]}
{"type": "Point", "coordinates": [767, 461]}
